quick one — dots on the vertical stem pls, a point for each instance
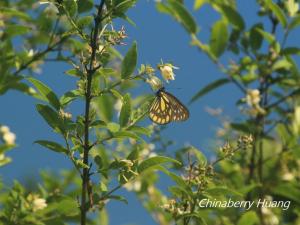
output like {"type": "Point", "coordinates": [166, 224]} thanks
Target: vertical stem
{"type": "Point", "coordinates": [88, 97]}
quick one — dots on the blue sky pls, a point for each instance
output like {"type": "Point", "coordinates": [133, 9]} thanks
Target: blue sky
{"type": "Point", "coordinates": [158, 37]}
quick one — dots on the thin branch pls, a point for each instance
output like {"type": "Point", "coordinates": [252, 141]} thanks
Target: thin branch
{"type": "Point", "coordinates": [90, 72]}
{"type": "Point", "coordinates": [38, 56]}
{"type": "Point", "coordinates": [279, 101]}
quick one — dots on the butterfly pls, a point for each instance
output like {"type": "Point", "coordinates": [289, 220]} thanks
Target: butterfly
{"type": "Point", "coordinates": [166, 108]}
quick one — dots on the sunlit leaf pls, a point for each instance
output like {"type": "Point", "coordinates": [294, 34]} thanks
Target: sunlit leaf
{"type": "Point", "coordinates": [218, 38]}
{"type": "Point", "coordinates": [129, 62]}
{"type": "Point", "coordinates": [46, 92]}
{"type": "Point", "coordinates": [154, 161]}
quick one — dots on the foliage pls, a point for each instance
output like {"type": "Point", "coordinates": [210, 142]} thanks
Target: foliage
{"type": "Point", "coordinates": [108, 145]}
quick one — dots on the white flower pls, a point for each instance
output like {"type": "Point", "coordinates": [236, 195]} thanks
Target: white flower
{"type": "Point", "coordinates": [39, 203]}
{"type": "Point", "coordinates": [167, 71]}
{"type": "Point", "coordinates": [292, 7]}
{"type": "Point", "coordinates": [269, 217]}
{"type": "Point", "coordinates": [288, 176]}
{"type": "Point", "coordinates": [154, 82]}
{"type": "Point", "coordinates": [253, 97]}
{"type": "Point", "coordinates": [9, 138]}
{"type": "Point", "coordinates": [133, 186]}
{"type": "Point", "coordinates": [4, 129]}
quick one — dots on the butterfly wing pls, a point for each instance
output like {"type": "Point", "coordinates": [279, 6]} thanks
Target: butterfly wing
{"type": "Point", "coordinates": [166, 108]}
{"type": "Point", "coordinates": [160, 110]}
{"type": "Point", "coordinates": [179, 111]}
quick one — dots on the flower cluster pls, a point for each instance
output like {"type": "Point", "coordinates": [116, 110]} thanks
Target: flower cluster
{"type": "Point", "coordinates": [7, 136]}
{"type": "Point", "coordinates": [35, 202]}
{"type": "Point", "coordinates": [166, 70]}
{"type": "Point", "coordinates": [253, 99]}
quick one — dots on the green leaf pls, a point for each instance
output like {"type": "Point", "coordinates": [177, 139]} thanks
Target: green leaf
{"type": "Point", "coordinates": [249, 218]}
{"type": "Point", "coordinates": [51, 117]}
{"type": "Point", "coordinates": [47, 94]}
{"type": "Point", "coordinates": [295, 23]}
{"type": "Point", "coordinates": [10, 12]}
{"type": "Point", "coordinates": [125, 111]}
{"type": "Point", "coordinates": [199, 155]}
{"type": "Point", "coordinates": [85, 21]}
{"type": "Point", "coordinates": [267, 36]}
{"type": "Point", "coordinates": [119, 198]}
{"type": "Point", "coordinates": [256, 37]}
{"type": "Point", "coordinates": [218, 38]}
{"type": "Point", "coordinates": [233, 17]}
{"type": "Point", "coordinates": [69, 97]}
{"type": "Point", "coordinates": [52, 146]}
{"type": "Point", "coordinates": [85, 5]}
{"type": "Point", "coordinates": [71, 7]}
{"type": "Point", "coordinates": [221, 191]}
{"type": "Point", "coordinates": [155, 161]}
{"type": "Point", "coordinates": [129, 62]}
{"type": "Point", "coordinates": [282, 64]}
{"type": "Point", "coordinates": [104, 107]}
{"type": "Point", "coordinates": [276, 10]}
{"type": "Point", "coordinates": [199, 3]}
{"type": "Point", "coordinates": [291, 51]}
{"type": "Point", "coordinates": [15, 30]}
{"type": "Point", "coordinates": [288, 190]}
{"type": "Point", "coordinates": [140, 130]}
{"type": "Point", "coordinates": [113, 127]}
{"type": "Point", "coordinates": [209, 88]}
{"type": "Point", "coordinates": [127, 134]}
{"type": "Point", "coordinates": [182, 15]}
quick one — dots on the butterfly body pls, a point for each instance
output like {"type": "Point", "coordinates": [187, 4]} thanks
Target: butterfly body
{"type": "Point", "coordinates": [166, 108]}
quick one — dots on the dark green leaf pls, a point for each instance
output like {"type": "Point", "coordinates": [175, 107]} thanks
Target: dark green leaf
{"type": "Point", "coordinates": [256, 38]}
{"type": "Point", "coordinates": [119, 198]}
{"type": "Point", "coordinates": [209, 88]}
{"type": "Point", "coordinates": [182, 15]}
{"type": "Point", "coordinates": [125, 111]}
{"type": "Point", "coordinates": [52, 146]}
{"type": "Point", "coordinates": [51, 117]}
{"type": "Point", "coordinates": [85, 5]}
{"type": "Point", "coordinates": [129, 62]}
{"type": "Point", "coordinates": [47, 94]}
{"type": "Point", "coordinates": [233, 17]}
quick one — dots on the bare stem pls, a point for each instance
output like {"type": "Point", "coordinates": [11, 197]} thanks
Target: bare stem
{"type": "Point", "coordinates": [88, 97]}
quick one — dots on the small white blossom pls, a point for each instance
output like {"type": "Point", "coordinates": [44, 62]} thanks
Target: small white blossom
{"type": "Point", "coordinates": [39, 203]}
{"type": "Point", "coordinates": [167, 71]}
{"type": "Point", "coordinates": [9, 138]}
{"type": "Point", "coordinates": [253, 97]}
{"type": "Point", "coordinates": [154, 82]}
{"type": "Point", "coordinates": [133, 186]}
{"type": "Point", "coordinates": [287, 176]}
{"type": "Point", "coordinates": [4, 129]}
